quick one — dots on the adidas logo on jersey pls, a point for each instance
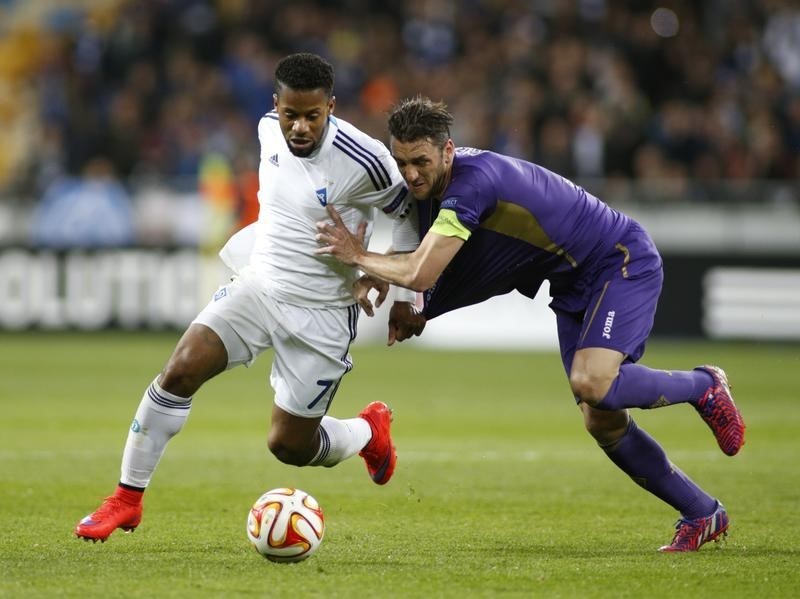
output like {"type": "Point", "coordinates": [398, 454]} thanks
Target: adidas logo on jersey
{"type": "Point", "coordinates": [274, 159]}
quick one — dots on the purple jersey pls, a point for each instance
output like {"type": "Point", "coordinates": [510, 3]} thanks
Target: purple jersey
{"type": "Point", "coordinates": [527, 224]}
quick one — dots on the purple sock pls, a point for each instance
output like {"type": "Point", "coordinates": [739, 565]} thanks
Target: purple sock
{"type": "Point", "coordinates": [642, 458]}
{"type": "Point", "coordinates": [638, 386]}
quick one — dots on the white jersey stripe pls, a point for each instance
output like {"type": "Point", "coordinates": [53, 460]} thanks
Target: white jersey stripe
{"type": "Point", "coordinates": [376, 182]}
{"type": "Point", "coordinates": [380, 170]}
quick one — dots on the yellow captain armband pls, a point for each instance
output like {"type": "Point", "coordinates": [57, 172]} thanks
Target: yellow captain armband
{"type": "Point", "coordinates": [447, 224]}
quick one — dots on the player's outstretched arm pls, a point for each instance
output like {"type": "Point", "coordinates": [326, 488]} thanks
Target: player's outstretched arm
{"type": "Point", "coordinates": [417, 270]}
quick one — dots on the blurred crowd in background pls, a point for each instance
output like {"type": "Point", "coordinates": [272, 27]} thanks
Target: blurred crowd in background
{"type": "Point", "coordinates": [150, 106]}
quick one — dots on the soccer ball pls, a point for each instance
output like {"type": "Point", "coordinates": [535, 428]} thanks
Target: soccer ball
{"type": "Point", "coordinates": [286, 525]}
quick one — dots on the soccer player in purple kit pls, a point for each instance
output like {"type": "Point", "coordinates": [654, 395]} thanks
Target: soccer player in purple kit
{"type": "Point", "coordinates": [491, 224]}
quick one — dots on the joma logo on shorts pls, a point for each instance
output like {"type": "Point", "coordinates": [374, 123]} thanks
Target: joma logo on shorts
{"type": "Point", "coordinates": [608, 324]}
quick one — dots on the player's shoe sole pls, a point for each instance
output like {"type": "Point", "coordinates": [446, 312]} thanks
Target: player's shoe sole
{"type": "Point", "coordinates": [693, 534]}
{"type": "Point", "coordinates": [379, 454]}
{"type": "Point", "coordinates": [111, 515]}
{"type": "Point", "coordinates": [717, 409]}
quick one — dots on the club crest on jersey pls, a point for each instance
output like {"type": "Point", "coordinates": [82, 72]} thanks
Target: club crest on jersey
{"type": "Point", "coordinates": [274, 159]}
{"type": "Point", "coordinates": [322, 196]}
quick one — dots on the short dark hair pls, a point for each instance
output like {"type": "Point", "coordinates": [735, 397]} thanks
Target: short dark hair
{"type": "Point", "coordinates": [420, 118]}
{"type": "Point", "coordinates": [305, 72]}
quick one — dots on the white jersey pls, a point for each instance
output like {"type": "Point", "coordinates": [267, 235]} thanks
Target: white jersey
{"type": "Point", "coordinates": [349, 170]}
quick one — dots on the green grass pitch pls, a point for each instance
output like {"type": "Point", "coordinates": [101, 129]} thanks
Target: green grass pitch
{"type": "Point", "coordinates": [499, 492]}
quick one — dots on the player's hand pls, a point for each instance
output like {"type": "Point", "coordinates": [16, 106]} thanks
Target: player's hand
{"type": "Point", "coordinates": [361, 289]}
{"type": "Point", "coordinates": [404, 321]}
{"type": "Point", "coordinates": [338, 241]}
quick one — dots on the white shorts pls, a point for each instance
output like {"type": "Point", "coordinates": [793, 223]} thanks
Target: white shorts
{"type": "Point", "coordinates": [311, 344]}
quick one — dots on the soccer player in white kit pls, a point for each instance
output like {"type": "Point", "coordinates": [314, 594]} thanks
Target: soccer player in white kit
{"type": "Point", "coordinates": [285, 297]}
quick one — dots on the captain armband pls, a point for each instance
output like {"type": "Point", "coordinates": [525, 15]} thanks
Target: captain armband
{"type": "Point", "coordinates": [448, 225]}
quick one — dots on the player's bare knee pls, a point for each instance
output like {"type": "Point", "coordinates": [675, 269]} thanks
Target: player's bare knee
{"type": "Point", "coordinates": [287, 453]}
{"type": "Point", "coordinates": [284, 454]}
{"type": "Point", "coordinates": [191, 364]}
{"type": "Point", "coordinates": [589, 389]}
{"type": "Point", "coordinates": [180, 376]}
{"type": "Point", "coordinates": [606, 427]}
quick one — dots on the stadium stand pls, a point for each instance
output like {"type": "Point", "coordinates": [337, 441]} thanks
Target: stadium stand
{"type": "Point", "coordinates": [643, 103]}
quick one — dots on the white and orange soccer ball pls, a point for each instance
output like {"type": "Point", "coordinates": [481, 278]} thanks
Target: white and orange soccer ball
{"type": "Point", "coordinates": [286, 525]}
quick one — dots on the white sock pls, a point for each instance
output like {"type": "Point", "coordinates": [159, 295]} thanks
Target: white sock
{"type": "Point", "coordinates": [159, 418]}
{"type": "Point", "coordinates": [340, 439]}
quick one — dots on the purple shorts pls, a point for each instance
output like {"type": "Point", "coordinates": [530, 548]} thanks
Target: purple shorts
{"type": "Point", "coordinates": [620, 299]}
